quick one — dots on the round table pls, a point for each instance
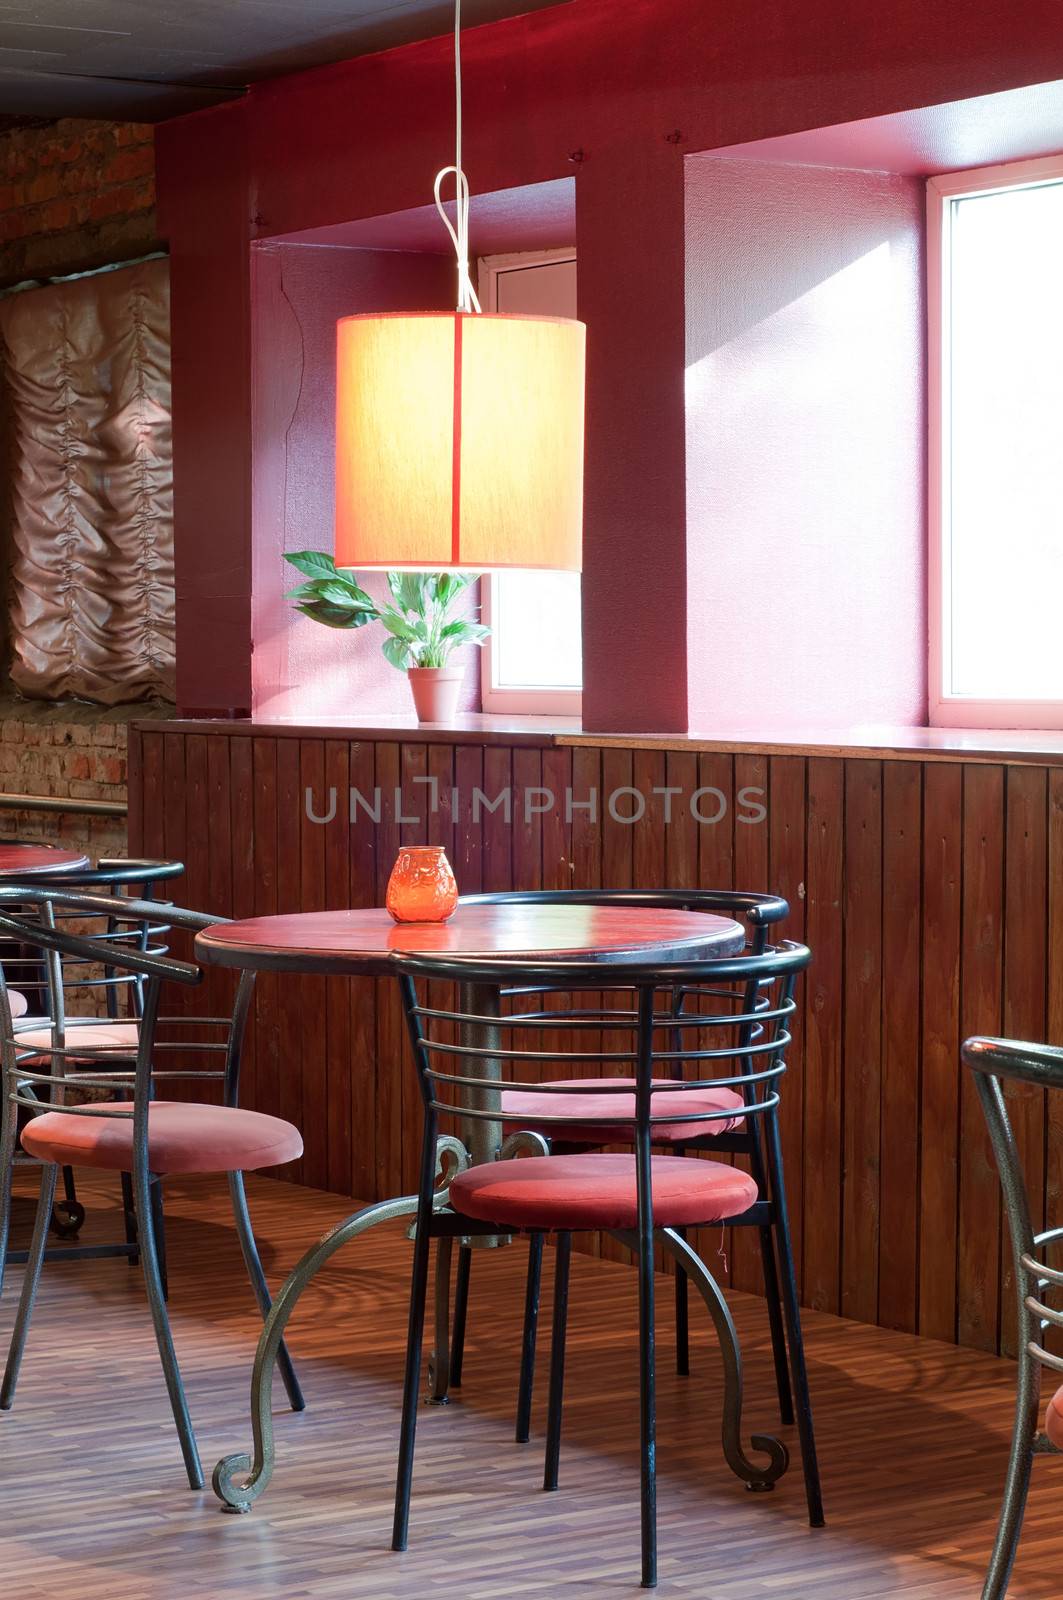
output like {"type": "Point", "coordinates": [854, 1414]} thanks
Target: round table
{"type": "Point", "coordinates": [18, 861]}
{"type": "Point", "coordinates": [368, 943]}
{"type": "Point", "coordinates": [365, 942]}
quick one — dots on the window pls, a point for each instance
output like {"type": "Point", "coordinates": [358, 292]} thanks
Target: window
{"type": "Point", "coordinates": [533, 661]}
{"type": "Point", "coordinates": [996, 445]}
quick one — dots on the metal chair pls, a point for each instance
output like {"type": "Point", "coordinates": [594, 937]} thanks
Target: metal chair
{"type": "Point", "coordinates": [86, 989]}
{"type": "Point", "coordinates": [131, 1131]}
{"type": "Point", "coordinates": [760, 913]}
{"type": "Point", "coordinates": [746, 1004]}
{"type": "Point", "coordinates": [1036, 1282]}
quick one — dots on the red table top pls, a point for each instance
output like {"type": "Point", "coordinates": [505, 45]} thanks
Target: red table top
{"type": "Point", "coordinates": [38, 860]}
{"type": "Point", "coordinates": [364, 941]}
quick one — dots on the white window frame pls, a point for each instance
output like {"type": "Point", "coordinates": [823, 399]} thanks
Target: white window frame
{"type": "Point", "coordinates": [947, 710]}
{"type": "Point", "coordinates": [494, 699]}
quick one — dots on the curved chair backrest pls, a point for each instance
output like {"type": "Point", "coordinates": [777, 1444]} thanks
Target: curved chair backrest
{"type": "Point", "coordinates": [114, 878]}
{"type": "Point", "coordinates": [460, 1052]}
{"type": "Point", "coordinates": [760, 912]}
{"type": "Point", "coordinates": [994, 1061]}
{"type": "Point", "coordinates": [39, 1082]}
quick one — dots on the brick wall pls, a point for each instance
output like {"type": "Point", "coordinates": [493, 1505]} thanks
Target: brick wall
{"type": "Point", "coordinates": [69, 751]}
{"type": "Point", "coordinates": [75, 195]}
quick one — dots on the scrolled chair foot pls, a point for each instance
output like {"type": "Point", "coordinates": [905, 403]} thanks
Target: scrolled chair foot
{"type": "Point", "coordinates": [755, 1477]}
{"type": "Point", "coordinates": [236, 1497]}
{"type": "Point", "coordinates": [257, 1469]}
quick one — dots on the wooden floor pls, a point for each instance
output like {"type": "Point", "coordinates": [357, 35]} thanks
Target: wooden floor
{"type": "Point", "coordinates": [913, 1438]}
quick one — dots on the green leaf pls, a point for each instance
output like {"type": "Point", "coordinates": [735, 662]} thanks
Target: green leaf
{"type": "Point", "coordinates": [331, 616]}
{"type": "Point", "coordinates": [342, 595]}
{"type": "Point", "coordinates": [336, 593]}
{"type": "Point", "coordinates": [399, 626]}
{"type": "Point", "coordinates": [397, 651]}
{"type": "Point", "coordinates": [462, 632]}
{"type": "Point", "coordinates": [314, 563]}
{"type": "Point", "coordinates": [408, 588]}
{"type": "Point", "coordinates": [448, 586]}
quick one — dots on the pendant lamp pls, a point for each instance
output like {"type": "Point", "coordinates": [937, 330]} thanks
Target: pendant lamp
{"type": "Point", "coordinates": [459, 435]}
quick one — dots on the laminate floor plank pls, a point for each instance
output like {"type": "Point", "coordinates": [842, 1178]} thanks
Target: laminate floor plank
{"type": "Point", "coordinates": [913, 1439]}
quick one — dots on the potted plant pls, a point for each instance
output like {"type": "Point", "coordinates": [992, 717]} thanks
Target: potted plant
{"type": "Point", "coordinates": [423, 629]}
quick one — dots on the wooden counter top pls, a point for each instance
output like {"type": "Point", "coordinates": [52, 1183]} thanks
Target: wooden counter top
{"type": "Point", "coordinates": [1009, 746]}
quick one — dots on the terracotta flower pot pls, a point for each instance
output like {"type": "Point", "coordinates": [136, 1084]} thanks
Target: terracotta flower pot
{"type": "Point", "coordinates": [422, 886]}
{"type": "Point", "coordinates": [435, 692]}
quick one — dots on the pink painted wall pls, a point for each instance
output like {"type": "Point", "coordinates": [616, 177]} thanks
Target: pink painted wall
{"type": "Point", "coordinates": [300, 669]}
{"type": "Point", "coordinates": [805, 438]}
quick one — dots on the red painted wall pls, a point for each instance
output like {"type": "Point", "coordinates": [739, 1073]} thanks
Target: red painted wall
{"type": "Point", "coordinates": [610, 84]}
{"type": "Point", "coordinates": [805, 445]}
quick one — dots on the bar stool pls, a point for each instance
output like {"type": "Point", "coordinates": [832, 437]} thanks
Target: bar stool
{"type": "Point", "coordinates": [638, 1197]}
{"type": "Point", "coordinates": [143, 1136]}
{"type": "Point", "coordinates": [994, 1061]}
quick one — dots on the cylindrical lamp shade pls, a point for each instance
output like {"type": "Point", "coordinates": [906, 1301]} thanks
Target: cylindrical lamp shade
{"type": "Point", "coordinates": [459, 442]}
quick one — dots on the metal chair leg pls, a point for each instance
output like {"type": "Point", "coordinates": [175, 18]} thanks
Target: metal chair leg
{"type": "Point", "coordinates": [158, 1223]}
{"type": "Point", "coordinates": [557, 1361]}
{"type": "Point", "coordinates": [461, 1314]}
{"type": "Point", "coordinates": [682, 1320]}
{"type": "Point", "coordinates": [439, 1360]}
{"type": "Point", "coordinates": [777, 1325]}
{"type": "Point", "coordinates": [528, 1337]}
{"type": "Point", "coordinates": [129, 1217]}
{"type": "Point", "coordinates": [149, 1260]}
{"type": "Point", "coordinates": [647, 1409]}
{"type": "Point", "coordinates": [794, 1337]}
{"type": "Point", "coordinates": [32, 1277]}
{"type": "Point", "coordinates": [414, 1339]}
{"type": "Point", "coordinates": [1017, 1483]}
{"type": "Point", "coordinates": [8, 1140]}
{"type": "Point", "coordinates": [410, 1390]}
{"type": "Point", "coordinates": [253, 1262]}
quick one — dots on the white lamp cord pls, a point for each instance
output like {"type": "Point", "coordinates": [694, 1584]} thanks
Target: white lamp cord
{"type": "Point", "coordinates": [467, 300]}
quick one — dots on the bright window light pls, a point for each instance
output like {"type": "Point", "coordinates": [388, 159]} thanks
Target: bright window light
{"type": "Point", "coordinates": [997, 430]}
{"type": "Point", "coordinates": [536, 617]}
{"type": "Point", "coordinates": [533, 661]}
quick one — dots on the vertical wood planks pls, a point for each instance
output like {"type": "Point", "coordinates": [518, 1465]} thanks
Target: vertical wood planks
{"type": "Point", "coordinates": [978, 1280]}
{"type": "Point", "coordinates": [364, 842]}
{"type": "Point", "coordinates": [1025, 992]}
{"type": "Point", "coordinates": [939, 1120]}
{"type": "Point", "coordinates": [823, 1035]}
{"type": "Point", "coordinates": [338, 850]}
{"type": "Point", "coordinates": [750, 805]}
{"type": "Point", "coordinates": [928, 891]}
{"type": "Point", "coordinates": [902, 867]}
{"type": "Point", "coordinates": [862, 1040]}
{"type": "Point", "coordinates": [785, 825]}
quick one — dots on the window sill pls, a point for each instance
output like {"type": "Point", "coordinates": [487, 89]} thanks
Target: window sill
{"type": "Point", "coordinates": [883, 743]}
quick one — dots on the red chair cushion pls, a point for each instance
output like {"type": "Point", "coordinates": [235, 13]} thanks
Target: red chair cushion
{"type": "Point", "coordinates": [578, 1109]}
{"type": "Point", "coordinates": [1054, 1419]}
{"type": "Point", "coordinates": [598, 1191]}
{"type": "Point", "coordinates": [181, 1138]}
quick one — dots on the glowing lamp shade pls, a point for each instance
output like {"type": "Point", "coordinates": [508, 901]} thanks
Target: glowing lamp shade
{"type": "Point", "coordinates": [459, 442]}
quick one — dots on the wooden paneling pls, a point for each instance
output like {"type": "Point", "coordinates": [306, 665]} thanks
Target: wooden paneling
{"type": "Point", "coordinates": [928, 891]}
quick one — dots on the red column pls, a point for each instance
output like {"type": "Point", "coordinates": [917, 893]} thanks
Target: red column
{"type": "Point", "coordinates": [203, 189]}
{"type": "Point", "coordinates": [630, 243]}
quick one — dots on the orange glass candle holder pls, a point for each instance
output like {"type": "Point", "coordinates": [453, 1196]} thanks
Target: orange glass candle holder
{"type": "Point", "coordinates": [422, 887]}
